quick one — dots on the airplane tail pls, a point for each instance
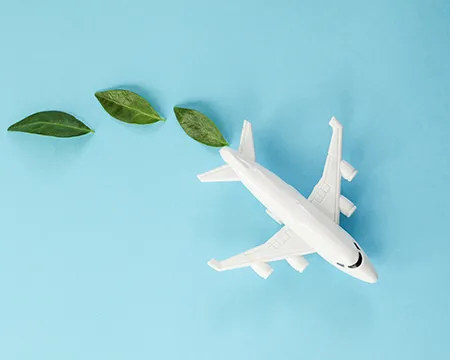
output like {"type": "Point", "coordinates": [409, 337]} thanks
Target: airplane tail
{"type": "Point", "coordinates": [247, 146]}
{"type": "Point", "coordinates": [225, 172]}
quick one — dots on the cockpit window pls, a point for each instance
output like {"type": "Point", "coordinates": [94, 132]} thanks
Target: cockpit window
{"type": "Point", "coordinates": [340, 264]}
{"type": "Point", "coordinates": [358, 262]}
{"type": "Point", "coordinates": [357, 246]}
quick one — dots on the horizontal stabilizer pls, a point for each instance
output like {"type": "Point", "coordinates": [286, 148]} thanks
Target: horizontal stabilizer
{"type": "Point", "coordinates": [222, 173]}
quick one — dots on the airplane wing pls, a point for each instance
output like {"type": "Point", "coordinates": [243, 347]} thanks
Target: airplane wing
{"type": "Point", "coordinates": [326, 195]}
{"type": "Point", "coordinates": [285, 244]}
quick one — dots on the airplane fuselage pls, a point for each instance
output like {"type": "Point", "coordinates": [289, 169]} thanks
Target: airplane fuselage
{"type": "Point", "coordinates": [292, 209]}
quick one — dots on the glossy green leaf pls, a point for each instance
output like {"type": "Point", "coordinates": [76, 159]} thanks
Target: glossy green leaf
{"type": "Point", "coordinates": [199, 127]}
{"type": "Point", "coordinates": [128, 106]}
{"type": "Point", "coordinates": [51, 123]}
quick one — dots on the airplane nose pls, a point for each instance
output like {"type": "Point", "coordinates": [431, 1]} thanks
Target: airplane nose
{"type": "Point", "coordinates": [370, 274]}
{"type": "Point", "coordinates": [372, 277]}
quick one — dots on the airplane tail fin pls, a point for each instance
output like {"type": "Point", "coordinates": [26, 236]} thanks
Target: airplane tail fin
{"type": "Point", "coordinates": [225, 172]}
{"type": "Point", "coordinates": [247, 145]}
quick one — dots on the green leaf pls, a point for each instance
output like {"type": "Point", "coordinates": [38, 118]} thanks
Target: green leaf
{"type": "Point", "coordinates": [51, 123]}
{"type": "Point", "coordinates": [199, 127]}
{"type": "Point", "coordinates": [128, 106]}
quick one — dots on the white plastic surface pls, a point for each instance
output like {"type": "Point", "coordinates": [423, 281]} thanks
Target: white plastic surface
{"type": "Point", "coordinates": [346, 206]}
{"type": "Point", "coordinates": [348, 172]}
{"type": "Point", "coordinates": [274, 217]}
{"type": "Point", "coordinates": [298, 262]}
{"type": "Point", "coordinates": [310, 225]}
{"type": "Point", "coordinates": [246, 146]}
{"type": "Point", "coordinates": [262, 269]}
{"type": "Point", "coordinates": [326, 193]}
{"type": "Point", "coordinates": [220, 174]}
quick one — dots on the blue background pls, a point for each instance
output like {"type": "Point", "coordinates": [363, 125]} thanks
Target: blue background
{"type": "Point", "coordinates": [104, 239]}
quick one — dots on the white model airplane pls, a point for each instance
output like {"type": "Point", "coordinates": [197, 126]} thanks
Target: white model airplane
{"type": "Point", "coordinates": [309, 225]}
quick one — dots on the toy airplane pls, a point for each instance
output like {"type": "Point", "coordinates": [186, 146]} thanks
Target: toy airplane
{"type": "Point", "coordinates": [309, 225]}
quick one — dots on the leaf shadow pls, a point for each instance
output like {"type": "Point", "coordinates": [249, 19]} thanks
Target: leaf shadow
{"type": "Point", "coordinates": [45, 152]}
{"type": "Point", "coordinates": [141, 130]}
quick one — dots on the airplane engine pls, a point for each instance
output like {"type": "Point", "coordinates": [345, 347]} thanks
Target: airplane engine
{"type": "Point", "coordinates": [346, 206]}
{"type": "Point", "coordinates": [348, 172]}
{"type": "Point", "coordinates": [262, 269]}
{"type": "Point", "coordinates": [299, 263]}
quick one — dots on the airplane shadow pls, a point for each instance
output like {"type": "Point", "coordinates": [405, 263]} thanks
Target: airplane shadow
{"type": "Point", "coordinates": [284, 296]}
{"type": "Point", "coordinates": [362, 224]}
